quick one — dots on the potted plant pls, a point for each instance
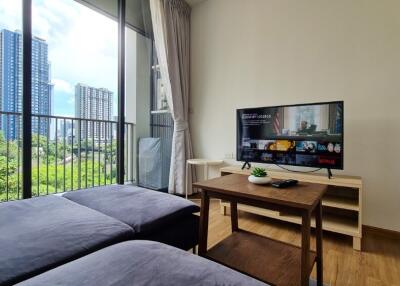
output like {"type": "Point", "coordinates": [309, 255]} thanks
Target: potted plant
{"type": "Point", "coordinates": [259, 176]}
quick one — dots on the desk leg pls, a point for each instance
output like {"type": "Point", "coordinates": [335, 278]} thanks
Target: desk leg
{"type": "Point", "coordinates": [305, 248]}
{"type": "Point", "coordinates": [234, 217]}
{"type": "Point", "coordinates": [203, 232]}
{"type": "Point", "coordinates": [318, 231]}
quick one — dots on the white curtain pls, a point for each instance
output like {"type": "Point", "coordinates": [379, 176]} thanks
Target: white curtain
{"type": "Point", "coordinates": [171, 26]}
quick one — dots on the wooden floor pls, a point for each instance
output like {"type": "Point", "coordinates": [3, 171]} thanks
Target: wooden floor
{"type": "Point", "coordinates": [378, 263]}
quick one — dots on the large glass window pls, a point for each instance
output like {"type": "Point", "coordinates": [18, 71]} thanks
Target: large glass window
{"type": "Point", "coordinates": [74, 93]}
{"type": "Point", "coordinates": [74, 96]}
{"type": "Point", "coordinates": [10, 99]}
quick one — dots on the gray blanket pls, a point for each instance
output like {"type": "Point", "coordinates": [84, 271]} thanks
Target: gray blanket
{"type": "Point", "coordinates": [141, 263]}
{"type": "Point", "coordinates": [41, 233]}
{"type": "Point", "coordinates": [143, 209]}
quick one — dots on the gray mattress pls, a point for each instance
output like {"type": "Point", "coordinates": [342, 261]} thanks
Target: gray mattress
{"type": "Point", "coordinates": [41, 233]}
{"type": "Point", "coordinates": [146, 211]}
{"type": "Point", "coordinates": [141, 263]}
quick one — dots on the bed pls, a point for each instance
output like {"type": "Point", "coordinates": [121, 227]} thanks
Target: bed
{"type": "Point", "coordinates": [41, 233]}
{"type": "Point", "coordinates": [153, 215]}
{"type": "Point", "coordinates": [141, 263]}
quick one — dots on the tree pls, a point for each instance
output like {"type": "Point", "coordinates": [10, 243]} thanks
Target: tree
{"type": "Point", "coordinates": [49, 178]}
{"type": "Point", "coordinates": [8, 179]}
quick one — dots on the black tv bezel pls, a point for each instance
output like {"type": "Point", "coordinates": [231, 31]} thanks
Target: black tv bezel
{"type": "Point", "coordinates": [291, 105]}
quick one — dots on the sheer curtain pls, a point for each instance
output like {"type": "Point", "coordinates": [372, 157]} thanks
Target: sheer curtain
{"type": "Point", "coordinates": [171, 27]}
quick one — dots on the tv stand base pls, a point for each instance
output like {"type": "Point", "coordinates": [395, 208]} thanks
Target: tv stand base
{"type": "Point", "coordinates": [246, 165]}
{"type": "Point", "coordinates": [329, 173]}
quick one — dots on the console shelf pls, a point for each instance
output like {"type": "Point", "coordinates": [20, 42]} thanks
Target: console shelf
{"type": "Point", "coordinates": [342, 204]}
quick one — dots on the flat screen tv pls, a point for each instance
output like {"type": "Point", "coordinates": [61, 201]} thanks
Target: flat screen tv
{"type": "Point", "coordinates": [309, 135]}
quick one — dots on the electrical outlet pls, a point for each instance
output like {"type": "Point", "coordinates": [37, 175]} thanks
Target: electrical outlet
{"type": "Point", "coordinates": [229, 155]}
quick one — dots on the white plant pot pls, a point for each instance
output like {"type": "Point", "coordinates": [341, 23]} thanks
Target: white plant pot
{"type": "Point", "coordinates": [260, 180]}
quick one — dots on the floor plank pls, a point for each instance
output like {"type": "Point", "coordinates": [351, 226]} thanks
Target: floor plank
{"type": "Point", "coordinates": [378, 263]}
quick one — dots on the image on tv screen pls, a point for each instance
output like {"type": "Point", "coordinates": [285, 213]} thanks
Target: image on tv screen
{"type": "Point", "coordinates": [303, 135]}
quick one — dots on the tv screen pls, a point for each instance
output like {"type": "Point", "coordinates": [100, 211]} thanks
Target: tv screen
{"type": "Point", "coordinates": [309, 135]}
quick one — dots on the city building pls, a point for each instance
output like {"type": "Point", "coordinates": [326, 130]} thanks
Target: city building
{"type": "Point", "coordinates": [96, 104]}
{"type": "Point", "coordinates": [11, 83]}
{"type": "Point", "coordinates": [65, 129]}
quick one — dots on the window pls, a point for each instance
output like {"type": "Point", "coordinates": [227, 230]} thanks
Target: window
{"type": "Point", "coordinates": [307, 117]}
{"type": "Point", "coordinates": [74, 93]}
{"type": "Point", "coordinates": [81, 47]}
{"type": "Point", "coordinates": [10, 97]}
{"type": "Point", "coordinates": [74, 58]}
{"type": "Point", "coordinates": [307, 114]}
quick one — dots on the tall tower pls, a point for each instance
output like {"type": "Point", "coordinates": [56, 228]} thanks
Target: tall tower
{"type": "Point", "coordinates": [11, 83]}
{"type": "Point", "coordinates": [42, 89]}
{"type": "Point", "coordinates": [93, 103]}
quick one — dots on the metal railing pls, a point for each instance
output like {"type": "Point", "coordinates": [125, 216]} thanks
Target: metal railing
{"type": "Point", "coordinates": [67, 154]}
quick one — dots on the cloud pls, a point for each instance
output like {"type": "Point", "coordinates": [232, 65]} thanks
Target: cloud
{"type": "Point", "coordinates": [71, 100]}
{"type": "Point", "coordinates": [62, 86]}
{"type": "Point", "coordinates": [11, 15]}
{"type": "Point", "coordinates": [51, 19]}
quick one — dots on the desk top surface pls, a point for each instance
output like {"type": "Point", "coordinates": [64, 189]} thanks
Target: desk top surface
{"type": "Point", "coordinates": [303, 195]}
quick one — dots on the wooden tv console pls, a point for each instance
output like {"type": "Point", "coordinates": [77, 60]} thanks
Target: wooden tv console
{"type": "Point", "coordinates": [342, 203]}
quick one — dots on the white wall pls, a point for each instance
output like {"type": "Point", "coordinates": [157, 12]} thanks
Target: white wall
{"type": "Point", "coordinates": [273, 52]}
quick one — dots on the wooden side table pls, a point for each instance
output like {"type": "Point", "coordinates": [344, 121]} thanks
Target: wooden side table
{"type": "Point", "coordinates": [266, 259]}
{"type": "Point", "coordinates": [345, 195]}
{"type": "Point", "coordinates": [200, 162]}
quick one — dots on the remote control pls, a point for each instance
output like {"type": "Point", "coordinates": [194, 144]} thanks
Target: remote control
{"type": "Point", "coordinates": [284, 183]}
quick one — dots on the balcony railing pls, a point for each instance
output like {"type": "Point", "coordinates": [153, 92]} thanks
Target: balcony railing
{"type": "Point", "coordinates": [67, 154]}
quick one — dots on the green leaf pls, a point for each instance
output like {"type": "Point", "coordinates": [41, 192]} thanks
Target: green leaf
{"type": "Point", "coordinates": [259, 172]}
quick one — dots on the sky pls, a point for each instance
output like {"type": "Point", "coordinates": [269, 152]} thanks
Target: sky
{"type": "Point", "coordinates": [83, 46]}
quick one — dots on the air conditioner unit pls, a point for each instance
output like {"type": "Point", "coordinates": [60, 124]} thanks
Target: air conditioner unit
{"type": "Point", "coordinates": [153, 164]}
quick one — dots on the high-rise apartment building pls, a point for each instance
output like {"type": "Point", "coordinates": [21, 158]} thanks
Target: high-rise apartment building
{"type": "Point", "coordinates": [11, 83]}
{"type": "Point", "coordinates": [93, 103]}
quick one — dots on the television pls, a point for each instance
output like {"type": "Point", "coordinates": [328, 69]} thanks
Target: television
{"type": "Point", "coordinates": [307, 135]}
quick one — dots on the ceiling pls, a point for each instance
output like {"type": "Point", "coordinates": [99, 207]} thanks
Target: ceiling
{"type": "Point", "coordinates": [137, 12]}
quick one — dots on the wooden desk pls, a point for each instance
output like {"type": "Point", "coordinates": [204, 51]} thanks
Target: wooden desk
{"type": "Point", "coordinates": [263, 258]}
{"type": "Point", "coordinates": [341, 204]}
